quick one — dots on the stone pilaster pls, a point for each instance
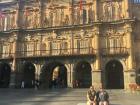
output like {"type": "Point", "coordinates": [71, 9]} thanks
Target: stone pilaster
{"type": "Point", "coordinates": [96, 78]}
{"type": "Point", "coordinates": [126, 8]}
{"type": "Point", "coordinates": [13, 72]}
{"type": "Point", "coordinates": [70, 75]}
{"type": "Point", "coordinates": [129, 78]}
{"type": "Point", "coordinates": [129, 74]}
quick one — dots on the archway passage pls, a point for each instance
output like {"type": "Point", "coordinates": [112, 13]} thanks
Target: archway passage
{"type": "Point", "coordinates": [83, 78]}
{"type": "Point", "coordinates": [114, 75]}
{"type": "Point", "coordinates": [5, 72]}
{"type": "Point", "coordinates": [54, 75]}
{"type": "Point", "coordinates": [28, 74]}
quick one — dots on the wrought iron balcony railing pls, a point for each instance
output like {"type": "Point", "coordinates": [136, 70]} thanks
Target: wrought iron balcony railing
{"type": "Point", "coordinates": [6, 55]}
{"type": "Point", "coordinates": [57, 52]}
{"type": "Point", "coordinates": [49, 53]}
{"type": "Point", "coordinates": [113, 51]}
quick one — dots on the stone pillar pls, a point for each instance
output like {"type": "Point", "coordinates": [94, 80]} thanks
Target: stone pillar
{"type": "Point", "coordinates": [13, 72]}
{"type": "Point", "coordinates": [95, 9]}
{"type": "Point", "coordinates": [70, 76]}
{"type": "Point", "coordinates": [96, 77]}
{"type": "Point", "coordinates": [129, 75]}
{"type": "Point", "coordinates": [129, 39]}
{"type": "Point", "coordinates": [37, 71]}
{"type": "Point", "coordinates": [42, 12]}
{"type": "Point", "coordinates": [96, 70]}
{"type": "Point", "coordinates": [126, 8]}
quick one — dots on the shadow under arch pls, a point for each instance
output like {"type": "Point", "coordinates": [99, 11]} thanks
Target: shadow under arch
{"type": "Point", "coordinates": [82, 75]}
{"type": "Point", "coordinates": [114, 76]}
{"type": "Point", "coordinates": [47, 78]}
{"type": "Point", "coordinates": [28, 71]}
{"type": "Point", "coordinates": [5, 72]}
{"type": "Point", "coordinates": [138, 77]}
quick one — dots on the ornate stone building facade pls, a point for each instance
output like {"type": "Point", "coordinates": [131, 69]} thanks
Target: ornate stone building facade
{"type": "Point", "coordinates": [79, 43]}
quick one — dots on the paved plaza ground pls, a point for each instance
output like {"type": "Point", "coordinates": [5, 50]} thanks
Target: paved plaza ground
{"type": "Point", "coordinates": [62, 97]}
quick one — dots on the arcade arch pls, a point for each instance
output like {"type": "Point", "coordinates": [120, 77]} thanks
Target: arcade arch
{"type": "Point", "coordinates": [114, 75]}
{"type": "Point", "coordinates": [83, 78]}
{"type": "Point", "coordinates": [53, 75]}
{"type": "Point", "coordinates": [28, 70]}
{"type": "Point", "coordinates": [5, 72]}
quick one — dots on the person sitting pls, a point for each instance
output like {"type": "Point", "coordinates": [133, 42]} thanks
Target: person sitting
{"type": "Point", "coordinates": [103, 97]}
{"type": "Point", "coordinates": [91, 96]}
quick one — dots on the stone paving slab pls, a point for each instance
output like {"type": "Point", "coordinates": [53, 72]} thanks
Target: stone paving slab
{"type": "Point", "coordinates": [62, 97]}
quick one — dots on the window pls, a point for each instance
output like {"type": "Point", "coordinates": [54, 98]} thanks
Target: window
{"type": "Point", "coordinates": [113, 45]}
{"type": "Point", "coordinates": [55, 48]}
{"type": "Point", "coordinates": [136, 1]}
{"type": "Point", "coordinates": [64, 48]}
{"type": "Point", "coordinates": [84, 46]}
{"type": "Point", "coordinates": [30, 48]}
{"type": "Point", "coordinates": [43, 49]}
{"type": "Point", "coordinates": [5, 50]}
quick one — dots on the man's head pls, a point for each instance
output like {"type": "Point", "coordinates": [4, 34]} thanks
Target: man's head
{"type": "Point", "coordinates": [101, 89]}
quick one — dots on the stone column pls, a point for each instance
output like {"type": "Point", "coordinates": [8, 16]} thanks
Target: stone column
{"type": "Point", "coordinates": [96, 77]}
{"type": "Point", "coordinates": [129, 74]}
{"type": "Point", "coordinates": [95, 9]}
{"type": "Point", "coordinates": [37, 71]}
{"type": "Point", "coordinates": [96, 67]}
{"type": "Point", "coordinates": [42, 12]}
{"type": "Point", "coordinates": [126, 8]}
{"type": "Point", "coordinates": [13, 72]}
{"type": "Point", "coordinates": [70, 75]}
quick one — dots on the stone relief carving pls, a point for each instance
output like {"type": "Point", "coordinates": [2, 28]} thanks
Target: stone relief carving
{"type": "Point", "coordinates": [82, 33]}
{"type": "Point", "coordinates": [28, 38]}
{"type": "Point", "coordinates": [95, 31]}
{"type": "Point", "coordinates": [54, 35]}
{"type": "Point", "coordinates": [109, 32]}
{"type": "Point", "coordinates": [112, 10]}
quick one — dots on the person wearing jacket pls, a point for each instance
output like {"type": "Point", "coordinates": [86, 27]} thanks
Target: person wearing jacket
{"type": "Point", "coordinates": [91, 96]}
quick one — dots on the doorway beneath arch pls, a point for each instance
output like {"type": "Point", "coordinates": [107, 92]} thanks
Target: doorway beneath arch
{"type": "Point", "coordinates": [114, 76]}
{"type": "Point", "coordinates": [5, 72]}
{"type": "Point", "coordinates": [83, 78]}
{"type": "Point", "coordinates": [54, 75]}
{"type": "Point", "coordinates": [28, 74]}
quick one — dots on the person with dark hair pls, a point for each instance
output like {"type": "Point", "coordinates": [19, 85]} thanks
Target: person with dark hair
{"type": "Point", "coordinates": [91, 96]}
{"type": "Point", "coordinates": [103, 97]}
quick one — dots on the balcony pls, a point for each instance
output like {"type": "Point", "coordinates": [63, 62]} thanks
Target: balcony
{"type": "Point", "coordinates": [57, 52]}
{"type": "Point", "coordinates": [6, 55]}
{"type": "Point", "coordinates": [115, 51]}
